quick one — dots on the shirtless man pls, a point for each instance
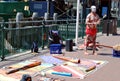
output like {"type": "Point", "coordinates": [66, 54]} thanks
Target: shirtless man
{"type": "Point", "coordinates": [91, 29]}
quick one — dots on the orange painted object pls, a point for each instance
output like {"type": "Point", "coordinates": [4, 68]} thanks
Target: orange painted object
{"type": "Point", "coordinates": [91, 68]}
{"type": "Point", "coordinates": [67, 59]}
{"type": "Point", "coordinates": [36, 63]}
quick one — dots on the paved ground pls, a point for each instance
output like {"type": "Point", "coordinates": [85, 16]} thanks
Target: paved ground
{"type": "Point", "coordinates": [109, 72]}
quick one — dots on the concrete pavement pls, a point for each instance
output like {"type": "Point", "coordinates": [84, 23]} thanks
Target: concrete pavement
{"type": "Point", "coordinates": [109, 72]}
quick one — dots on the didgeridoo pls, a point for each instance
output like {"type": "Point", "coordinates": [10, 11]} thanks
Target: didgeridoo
{"type": "Point", "coordinates": [91, 68]}
{"type": "Point", "coordinates": [36, 63]}
{"type": "Point", "coordinates": [104, 46]}
{"type": "Point", "coordinates": [67, 59]}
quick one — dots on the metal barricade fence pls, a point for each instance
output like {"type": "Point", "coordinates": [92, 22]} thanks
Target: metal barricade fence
{"type": "Point", "coordinates": [16, 39]}
{"type": "Point", "coordinates": [19, 39]}
{"type": "Point", "coordinates": [118, 23]}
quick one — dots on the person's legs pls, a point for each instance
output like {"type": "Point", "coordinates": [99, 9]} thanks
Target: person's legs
{"type": "Point", "coordinates": [86, 44]}
{"type": "Point", "coordinates": [114, 27]}
{"type": "Point", "coordinates": [90, 40]}
{"type": "Point", "coordinates": [94, 45]}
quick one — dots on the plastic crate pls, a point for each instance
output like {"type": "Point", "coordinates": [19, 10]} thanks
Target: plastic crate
{"type": "Point", "coordinates": [55, 49]}
{"type": "Point", "coordinates": [116, 53]}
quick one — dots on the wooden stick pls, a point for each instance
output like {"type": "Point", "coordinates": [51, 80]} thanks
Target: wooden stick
{"type": "Point", "coordinates": [104, 46]}
{"type": "Point", "coordinates": [91, 68]}
{"type": "Point", "coordinates": [67, 59]}
{"type": "Point", "coordinates": [36, 63]}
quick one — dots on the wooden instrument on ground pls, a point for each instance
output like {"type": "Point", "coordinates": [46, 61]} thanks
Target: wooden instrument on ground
{"type": "Point", "coordinates": [36, 63]}
{"type": "Point", "coordinates": [91, 68]}
{"type": "Point", "coordinates": [97, 45]}
{"type": "Point", "coordinates": [116, 47]}
{"type": "Point", "coordinates": [67, 59]}
{"type": "Point", "coordinates": [104, 45]}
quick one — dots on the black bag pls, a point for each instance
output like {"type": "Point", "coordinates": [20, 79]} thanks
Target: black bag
{"type": "Point", "coordinates": [34, 47]}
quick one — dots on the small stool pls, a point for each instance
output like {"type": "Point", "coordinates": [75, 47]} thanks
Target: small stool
{"type": "Point", "coordinates": [55, 49]}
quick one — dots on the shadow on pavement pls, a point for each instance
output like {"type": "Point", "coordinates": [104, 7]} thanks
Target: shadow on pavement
{"type": "Point", "coordinates": [105, 54]}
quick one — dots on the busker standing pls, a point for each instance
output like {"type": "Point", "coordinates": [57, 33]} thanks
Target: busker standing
{"type": "Point", "coordinates": [92, 20]}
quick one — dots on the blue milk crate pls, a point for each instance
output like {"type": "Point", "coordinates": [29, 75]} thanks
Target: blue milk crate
{"type": "Point", "coordinates": [116, 53]}
{"type": "Point", "coordinates": [55, 49]}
